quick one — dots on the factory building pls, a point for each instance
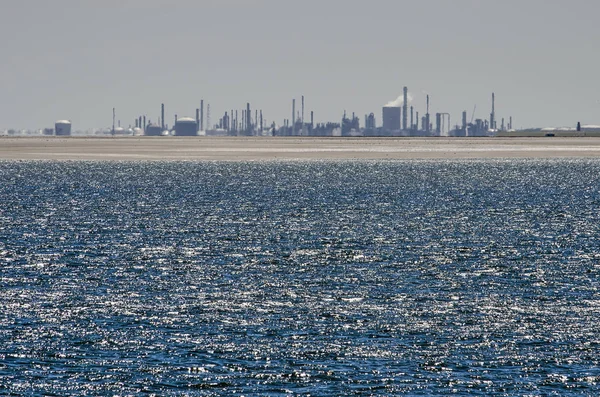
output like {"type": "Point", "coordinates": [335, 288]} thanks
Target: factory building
{"type": "Point", "coordinates": [370, 122]}
{"type": "Point", "coordinates": [186, 126]}
{"type": "Point", "coordinates": [391, 118]}
{"type": "Point", "coordinates": [62, 127]}
{"type": "Point", "coordinates": [350, 127]}
{"type": "Point", "coordinates": [153, 130]}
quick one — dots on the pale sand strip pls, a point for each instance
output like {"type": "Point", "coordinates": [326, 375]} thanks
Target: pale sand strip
{"type": "Point", "coordinates": [309, 148]}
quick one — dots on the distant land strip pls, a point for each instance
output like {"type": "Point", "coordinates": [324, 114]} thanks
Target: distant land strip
{"type": "Point", "coordinates": [292, 148]}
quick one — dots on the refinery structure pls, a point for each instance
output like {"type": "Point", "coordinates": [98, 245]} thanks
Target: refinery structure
{"type": "Point", "coordinates": [399, 118]}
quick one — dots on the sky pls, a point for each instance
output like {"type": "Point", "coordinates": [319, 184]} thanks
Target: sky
{"type": "Point", "coordinates": [77, 59]}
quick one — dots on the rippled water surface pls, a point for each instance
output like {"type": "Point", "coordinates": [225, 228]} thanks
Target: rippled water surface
{"type": "Point", "coordinates": [308, 278]}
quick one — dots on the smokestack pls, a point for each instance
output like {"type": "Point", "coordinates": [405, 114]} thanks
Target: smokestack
{"type": "Point", "coordinates": [411, 117]}
{"type": "Point", "coordinates": [208, 117]}
{"type": "Point", "coordinates": [162, 116]}
{"type": "Point", "coordinates": [175, 121]}
{"type": "Point", "coordinates": [202, 115]}
{"type": "Point", "coordinates": [464, 120]}
{"type": "Point", "coordinates": [293, 116]}
{"type": "Point", "coordinates": [197, 120]}
{"type": "Point", "coordinates": [302, 112]}
{"type": "Point", "coordinates": [405, 110]}
{"type": "Point", "coordinates": [261, 121]}
{"type": "Point", "coordinates": [417, 122]}
{"type": "Point", "coordinates": [493, 114]}
{"type": "Point", "coordinates": [144, 128]}
{"type": "Point", "coordinates": [248, 119]}
{"type": "Point", "coordinates": [312, 119]}
{"type": "Point", "coordinates": [428, 125]}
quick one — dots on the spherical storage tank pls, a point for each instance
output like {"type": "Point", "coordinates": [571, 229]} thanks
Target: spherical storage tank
{"type": "Point", "coordinates": [62, 127]}
{"type": "Point", "coordinates": [186, 126]}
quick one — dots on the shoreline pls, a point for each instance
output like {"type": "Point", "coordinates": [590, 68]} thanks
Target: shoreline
{"type": "Point", "coordinates": [292, 148]}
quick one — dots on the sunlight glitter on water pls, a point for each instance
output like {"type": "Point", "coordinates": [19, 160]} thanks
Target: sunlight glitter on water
{"type": "Point", "coordinates": [321, 278]}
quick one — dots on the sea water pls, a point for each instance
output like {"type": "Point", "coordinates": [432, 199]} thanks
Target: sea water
{"type": "Point", "coordinates": [318, 278]}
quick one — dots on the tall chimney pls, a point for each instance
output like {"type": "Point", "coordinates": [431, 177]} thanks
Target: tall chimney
{"type": "Point", "coordinates": [208, 116]}
{"type": "Point", "coordinates": [411, 117]}
{"type": "Point", "coordinates": [202, 115]}
{"type": "Point", "coordinates": [162, 116]}
{"type": "Point", "coordinates": [293, 116]}
{"type": "Point", "coordinates": [493, 114]}
{"type": "Point", "coordinates": [405, 110]}
{"type": "Point", "coordinates": [428, 126]}
{"type": "Point", "coordinates": [302, 112]}
{"type": "Point", "coordinates": [248, 119]}
{"type": "Point", "coordinates": [197, 120]}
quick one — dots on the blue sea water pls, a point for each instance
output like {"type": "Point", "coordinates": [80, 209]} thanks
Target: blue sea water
{"type": "Point", "coordinates": [381, 278]}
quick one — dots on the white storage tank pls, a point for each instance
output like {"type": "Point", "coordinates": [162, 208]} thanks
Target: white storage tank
{"type": "Point", "coordinates": [62, 127]}
{"type": "Point", "coordinates": [186, 126]}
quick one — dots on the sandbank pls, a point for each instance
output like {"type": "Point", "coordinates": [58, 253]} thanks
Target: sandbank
{"type": "Point", "coordinates": [291, 148]}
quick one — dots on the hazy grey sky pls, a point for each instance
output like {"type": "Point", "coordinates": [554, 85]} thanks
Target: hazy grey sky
{"type": "Point", "coordinates": [77, 59]}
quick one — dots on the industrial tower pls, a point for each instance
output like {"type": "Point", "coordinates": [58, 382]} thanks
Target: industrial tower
{"type": "Point", "coordinates": [405, 110]}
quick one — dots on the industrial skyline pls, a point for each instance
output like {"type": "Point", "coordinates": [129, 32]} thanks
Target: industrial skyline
{"type": "Point", "coordinates": [76, 59]}
{"type": "Point", "coordinates": [396, 120]}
